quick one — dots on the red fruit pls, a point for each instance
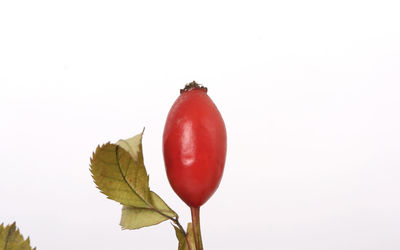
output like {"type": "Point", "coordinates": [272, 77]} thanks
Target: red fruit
{"type": "Point", "coordinates": [194, 146]}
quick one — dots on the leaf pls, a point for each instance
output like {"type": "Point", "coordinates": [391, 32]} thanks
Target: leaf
{"type": "Point", "coordinates": [134, 218]}
{"type": "Point", "coordinates": [11, 238]}
{"type": "Point", "coordinates": [120, 174]}
{"type": "Point", "coordinates": [160, 205]}
{"type": "Point", "coordinates": [133, 146]}
{"type": "Point", "coordinates": [119, 177]}
{"type": "Point", "coordinates": [180, 235]}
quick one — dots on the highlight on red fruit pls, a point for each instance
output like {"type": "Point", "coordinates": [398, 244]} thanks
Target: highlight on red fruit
{"type": "Point", "coordinates": [194, 145]}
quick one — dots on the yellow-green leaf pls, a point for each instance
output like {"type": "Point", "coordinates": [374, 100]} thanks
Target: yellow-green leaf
{"type": "Point", "coordinates": [119, 172]}
{"type": "Point", "coordinates": [11, 239]}
{"type": "Point", "coordinates": [133, 146]}
{"type": "Point", "coordinates": [120, 177]}
{"type": "Point", "coordinates": [134, 218]}
{"type": "Point", "coordinates": [161, 206]}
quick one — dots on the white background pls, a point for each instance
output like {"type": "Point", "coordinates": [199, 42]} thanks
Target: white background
{"type": "Point", "coordinates": [309, 91]}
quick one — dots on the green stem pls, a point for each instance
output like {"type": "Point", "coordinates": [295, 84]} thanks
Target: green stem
{"type": "Point", "coordinates": [196, 227]}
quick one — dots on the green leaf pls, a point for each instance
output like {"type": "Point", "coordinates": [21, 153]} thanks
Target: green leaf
{"type": "Point", "coordinates": [180, 235]}
{"type": "Point", "coordinates": [11, 239]}
{"type": "Point", "coordinates": [119, 172]}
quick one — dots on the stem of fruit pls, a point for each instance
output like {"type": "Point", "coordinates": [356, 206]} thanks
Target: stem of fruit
{"type": "Point", "coordinates": [196, 227]}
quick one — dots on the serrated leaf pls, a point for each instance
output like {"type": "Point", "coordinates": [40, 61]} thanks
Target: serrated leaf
{"type": "Point", "coordinates": [183, 240]}
{"type": "Point", "coordinates": [134, 218]}
{"type": "Point", "coordinates": [120, 177]}
{"type": "Point", "coordinates": [120, 174]}
{"type": "Point", "coordinates": [11, 239]}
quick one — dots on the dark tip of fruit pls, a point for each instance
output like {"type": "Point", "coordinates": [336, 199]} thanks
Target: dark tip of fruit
{"type": "Point", "coordinates": [193, 85]}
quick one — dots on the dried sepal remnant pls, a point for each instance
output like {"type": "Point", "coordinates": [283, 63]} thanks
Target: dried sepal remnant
{"type": "Point", "coordinates": [193, 85]}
